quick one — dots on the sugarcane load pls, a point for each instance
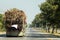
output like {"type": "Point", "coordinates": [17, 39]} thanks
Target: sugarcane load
{"type": "Point", "coordinates": [14, 21]}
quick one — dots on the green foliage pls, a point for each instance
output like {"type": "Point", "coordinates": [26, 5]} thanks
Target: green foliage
{"type": "Point", "coordinates": [1, 23]}
{"type": "Point", "coordinates": [50, 10]}
{"type": "Point", "coordinates": [38, 19]}
{"type": "Point", "coordinates": [50, 14]}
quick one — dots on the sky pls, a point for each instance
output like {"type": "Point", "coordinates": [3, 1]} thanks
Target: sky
{"type": "Point", "coordinates": [30, 7]}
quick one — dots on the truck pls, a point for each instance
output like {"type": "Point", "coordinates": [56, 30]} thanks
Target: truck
{"type": "Point", "coordinates": [14, 22]}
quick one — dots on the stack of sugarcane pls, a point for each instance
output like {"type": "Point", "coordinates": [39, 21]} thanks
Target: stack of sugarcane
{"type": "Point", "coordinates": [14, 16]}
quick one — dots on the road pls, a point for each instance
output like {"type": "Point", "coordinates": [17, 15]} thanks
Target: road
{"type": "Point", "coordinates": [31, 34]}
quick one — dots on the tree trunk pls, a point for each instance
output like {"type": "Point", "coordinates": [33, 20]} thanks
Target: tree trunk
{"type": "Point", "coordinates": [53, 28]}
{"type": "Point", "coordinates": [48, 27]}
{"type": "Point", "coordinates": [56, 30]}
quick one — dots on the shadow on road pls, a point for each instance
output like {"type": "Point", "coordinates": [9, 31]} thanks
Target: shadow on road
{"type": "Point", "coordinates": [36, 36]}
{"type": "Point", "coordinates": [43, 36]}
{"type": "Point", "coordinates": [2, 35]}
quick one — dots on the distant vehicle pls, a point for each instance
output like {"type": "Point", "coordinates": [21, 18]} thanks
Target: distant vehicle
{"type": "Point", "coordinates": [15, 21]}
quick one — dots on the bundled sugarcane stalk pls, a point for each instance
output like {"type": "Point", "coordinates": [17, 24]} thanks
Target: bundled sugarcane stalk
{"type": "Point", "coordinates": [14, 16]}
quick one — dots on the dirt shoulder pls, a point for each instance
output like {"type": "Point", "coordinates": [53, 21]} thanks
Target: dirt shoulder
{"type": "Point", "coordinates": [2, 32]}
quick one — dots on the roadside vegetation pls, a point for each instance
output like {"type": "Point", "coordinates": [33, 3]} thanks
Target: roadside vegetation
{"type": "Point", "coordinates": [2, 28]}
{"type": "Point", "coordinates": [49, 18]}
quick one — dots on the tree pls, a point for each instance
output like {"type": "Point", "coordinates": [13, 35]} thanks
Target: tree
{"type": "Point", "coordinates": [38, 21]}
{"type": "Point", "coordinates": [1, 23]}
{"type": "Point", "coordinates": [51, 12]}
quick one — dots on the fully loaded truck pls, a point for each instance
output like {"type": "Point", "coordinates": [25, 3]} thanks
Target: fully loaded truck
{"type": "Point", "coordinates": [15, 22]}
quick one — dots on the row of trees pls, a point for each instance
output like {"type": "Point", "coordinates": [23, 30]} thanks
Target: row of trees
{"type": "Point", "coordinates": [49, 16]}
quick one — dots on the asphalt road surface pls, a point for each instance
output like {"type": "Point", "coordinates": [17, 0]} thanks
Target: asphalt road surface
{"type": "Point", "coordinates": [32, 34]}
